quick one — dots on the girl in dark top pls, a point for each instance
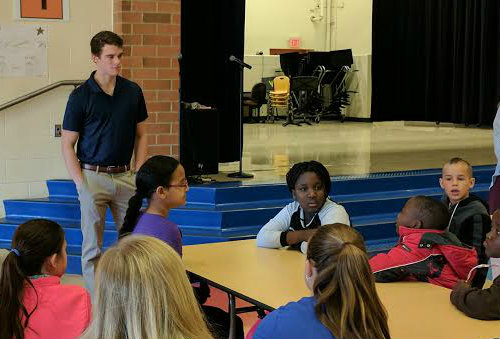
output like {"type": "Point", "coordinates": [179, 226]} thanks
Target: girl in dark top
{"type": "Point", "coordinates": [482, 303]}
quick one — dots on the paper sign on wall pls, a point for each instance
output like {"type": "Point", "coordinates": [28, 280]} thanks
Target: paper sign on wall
{"type": "Point", "coordinates": [31, 10]}
{"type": "Point", "coordinates": [23, 50]}
{"type": "Point", "coordinates": [42, 9]}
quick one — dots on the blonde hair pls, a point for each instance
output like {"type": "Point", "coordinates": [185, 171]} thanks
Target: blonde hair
{"type": "Point", "coordinates": [142, 291]}
{"type": "Point", "coordinates": [347, 301]}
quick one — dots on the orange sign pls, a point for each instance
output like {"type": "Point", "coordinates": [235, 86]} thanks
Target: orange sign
{"type": "Point", "coordinates": [42, 9]}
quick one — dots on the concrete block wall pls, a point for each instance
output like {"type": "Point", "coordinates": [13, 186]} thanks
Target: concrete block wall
{"type": "Point", "coordinates": [30, 153]}
{"type": "Point", "coordinates": [68, 50]}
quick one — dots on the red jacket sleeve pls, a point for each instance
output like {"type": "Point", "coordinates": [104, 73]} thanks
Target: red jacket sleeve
{"type": "Point", "coordinates": [400, 263]}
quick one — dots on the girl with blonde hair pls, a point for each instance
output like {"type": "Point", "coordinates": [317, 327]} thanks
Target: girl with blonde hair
{"type": "Point", "coordinates": [142, 291]}
{"type": "Point", "coordinates": [345, 303]}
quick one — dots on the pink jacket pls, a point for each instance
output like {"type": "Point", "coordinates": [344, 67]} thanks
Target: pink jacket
{"type": "Point", "coordinates": [62, 311]}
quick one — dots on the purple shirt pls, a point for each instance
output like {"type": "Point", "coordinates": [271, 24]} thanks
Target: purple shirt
{"type": "Point", "coordinates": [161, 228]}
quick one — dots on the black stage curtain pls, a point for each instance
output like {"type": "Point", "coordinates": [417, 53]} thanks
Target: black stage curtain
{"type": "Point", "coordinates": [211, 31]}
{"type": "Point", "coordinates": [436, 60]}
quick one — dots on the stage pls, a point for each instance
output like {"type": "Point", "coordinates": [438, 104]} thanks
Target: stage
{"type": "Point", "coordinates": [375, 168]}
{"type": "Point", "coordinates": [357, 148]}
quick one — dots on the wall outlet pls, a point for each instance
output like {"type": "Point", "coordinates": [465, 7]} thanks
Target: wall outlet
{"type": "Point", "coordinates": [57, 130]}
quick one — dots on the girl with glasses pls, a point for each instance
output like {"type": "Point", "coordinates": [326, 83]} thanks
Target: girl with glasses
{"type": "Point", "coordinates": [161, 180]}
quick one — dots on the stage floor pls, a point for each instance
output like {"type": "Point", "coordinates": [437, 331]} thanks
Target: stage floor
{"type": "Point", "coordinates": [357, 148]}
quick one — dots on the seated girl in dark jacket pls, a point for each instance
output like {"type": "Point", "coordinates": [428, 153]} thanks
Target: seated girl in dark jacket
{"type": "Point", "coordinates": [478, 303]}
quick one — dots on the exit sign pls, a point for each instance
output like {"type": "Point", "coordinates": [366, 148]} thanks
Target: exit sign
{"type": "Point", "coordinates": [41, 9]}
{"type": "Point", "coordinates": [294, 43]}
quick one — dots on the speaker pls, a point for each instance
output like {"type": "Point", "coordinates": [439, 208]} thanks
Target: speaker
{"type": "Point", "coordinates": [199, 141]}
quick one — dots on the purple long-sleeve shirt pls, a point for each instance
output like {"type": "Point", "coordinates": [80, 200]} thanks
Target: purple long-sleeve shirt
{"type": "Point", "coordinates": [159, 227]}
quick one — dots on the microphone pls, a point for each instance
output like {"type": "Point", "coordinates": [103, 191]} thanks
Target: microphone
{"type": "Point", "coordinates": [232, 58]}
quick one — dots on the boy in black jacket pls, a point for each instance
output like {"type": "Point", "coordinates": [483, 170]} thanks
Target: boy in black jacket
{"type": "Point", "coordinates": [470, 220]}
{"type": "Point", "coordinates": [474, 302]}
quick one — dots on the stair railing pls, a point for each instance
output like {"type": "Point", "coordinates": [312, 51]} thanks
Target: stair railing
{"type": "Point", "coordinates": [40, 91]}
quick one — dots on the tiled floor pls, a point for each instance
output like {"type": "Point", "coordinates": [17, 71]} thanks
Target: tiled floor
{"type": "Point", "coordinates": [357, 148]}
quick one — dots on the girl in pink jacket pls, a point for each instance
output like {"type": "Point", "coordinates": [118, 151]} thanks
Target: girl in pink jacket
{"type": "Point", "coordinates": [33, 303]}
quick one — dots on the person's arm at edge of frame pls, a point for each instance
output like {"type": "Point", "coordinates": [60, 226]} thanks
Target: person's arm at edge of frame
{"type": "Point", "coordinates": [68, 141]}
{"type": "Point", "coordinates": [495, 219]}
{"type": "Point", "coordinates": [141, 145]}
{"type": "Point", "coordinates": [476, 303]}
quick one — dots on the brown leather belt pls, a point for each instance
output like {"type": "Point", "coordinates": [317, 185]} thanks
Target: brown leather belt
{"type": "Point", "coordinates": [106, 169]}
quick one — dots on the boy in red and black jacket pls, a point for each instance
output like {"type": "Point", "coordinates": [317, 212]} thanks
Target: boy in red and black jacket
{"type": "Point", "coordinates": [425, 250]}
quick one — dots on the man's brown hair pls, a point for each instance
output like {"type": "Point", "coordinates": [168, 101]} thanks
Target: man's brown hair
{"type": "Point", "coordinates": [104, 38]}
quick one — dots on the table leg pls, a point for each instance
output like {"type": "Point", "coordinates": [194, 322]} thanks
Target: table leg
{"type": "Point", "coordinates": [232, 315]}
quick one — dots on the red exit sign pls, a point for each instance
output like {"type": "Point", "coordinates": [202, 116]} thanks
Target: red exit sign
{"type": "Point", "coordinates": [294, 43]}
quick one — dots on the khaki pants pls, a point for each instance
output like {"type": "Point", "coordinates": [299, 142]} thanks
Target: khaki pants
{"type": "Point", "coordinates": [98, 192]}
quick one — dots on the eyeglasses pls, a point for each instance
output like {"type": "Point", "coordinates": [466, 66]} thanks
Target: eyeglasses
{"type": "Point", "coordinates": [184, 184]}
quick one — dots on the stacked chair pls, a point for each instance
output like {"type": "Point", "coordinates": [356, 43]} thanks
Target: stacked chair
{"type": "Point", "coordinates": [279, 97]}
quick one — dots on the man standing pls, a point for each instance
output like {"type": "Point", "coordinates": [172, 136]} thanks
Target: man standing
{"type": "Point", "coordinates": [106, 117]}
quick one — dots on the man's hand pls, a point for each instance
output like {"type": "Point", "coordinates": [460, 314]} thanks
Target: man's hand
{"type": "Point", "coordinates": [68, 141]}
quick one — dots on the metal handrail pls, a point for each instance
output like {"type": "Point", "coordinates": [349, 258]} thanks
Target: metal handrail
{"type": "Point", "coordinates": [40, 91]}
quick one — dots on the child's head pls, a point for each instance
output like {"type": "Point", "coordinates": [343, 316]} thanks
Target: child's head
{"type": "Point", "coordinates": [309, 182]}
{"type": "Point", "coordinates": [38, 247]}
{"type": "Point", "coordinates": [162, 181]}
{"type": "Point", "coordinates": [423, 212]}
{"type": "Point", "coordinates": [142, 291]}
{"type": "Point", "coordinates": [456, 179]}
{"type": "Point", "coordinates": [343, 284]}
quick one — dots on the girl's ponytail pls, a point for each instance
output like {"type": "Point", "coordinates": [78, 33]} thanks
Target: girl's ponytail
{"type": "Point", "coordinates": [347, 301]}
{"type": "Point", "coordinates": [11, 297]}
{"type": "Point", "coordinates": [133, 211]}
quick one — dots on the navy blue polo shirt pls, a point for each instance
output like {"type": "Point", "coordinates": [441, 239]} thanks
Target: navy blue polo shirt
{"type": "Point", "coordinates": [107, 123]}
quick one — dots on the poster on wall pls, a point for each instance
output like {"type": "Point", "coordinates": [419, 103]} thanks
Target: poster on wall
{"type": "Point", "coordinates": [41, 9]}
{"type": "Point", "coordinates": [23, 50]}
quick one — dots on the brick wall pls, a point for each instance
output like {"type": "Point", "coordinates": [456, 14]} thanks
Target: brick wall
{"type": "Point", "coordinates": [151, 32]}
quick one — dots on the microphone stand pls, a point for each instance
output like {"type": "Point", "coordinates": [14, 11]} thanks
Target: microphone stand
{"type": "Point", "coordinates": [240, 173]}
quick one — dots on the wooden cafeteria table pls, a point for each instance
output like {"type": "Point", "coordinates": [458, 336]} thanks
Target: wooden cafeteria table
{"type": "Point", "coordinates": [269, 278]}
